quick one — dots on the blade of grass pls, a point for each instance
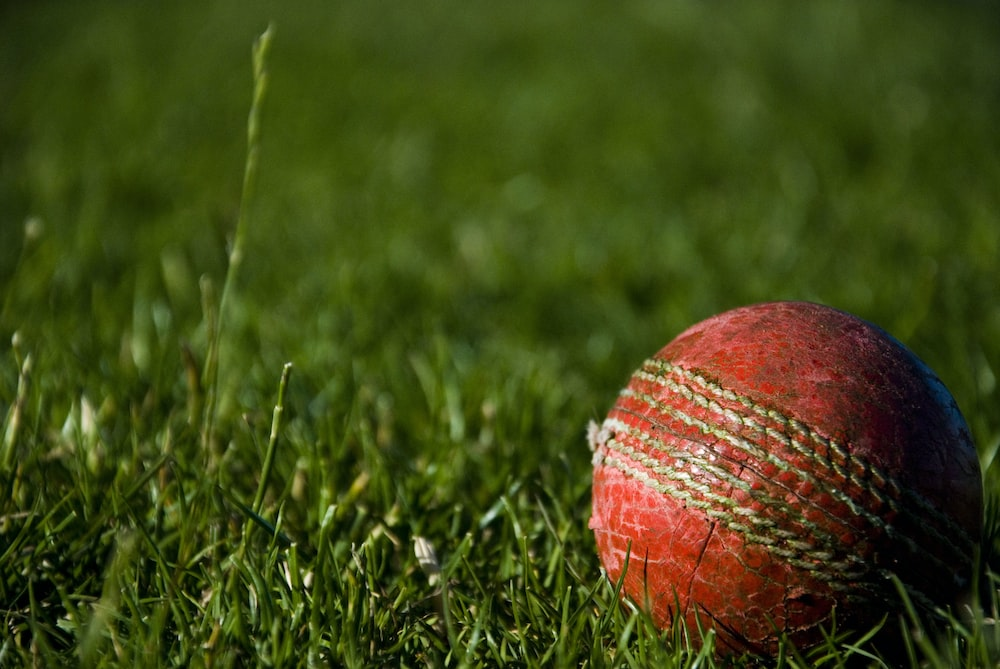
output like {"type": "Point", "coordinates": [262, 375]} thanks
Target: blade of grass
{"type": "Point", "coordinates": [12, 424]}
{"type": "Point", "coordinates": [260, 80]}
{"type": "Point", "coordinates": [272, 442]}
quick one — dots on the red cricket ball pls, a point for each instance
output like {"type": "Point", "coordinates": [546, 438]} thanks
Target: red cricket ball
{"type": "Point", "coordinates": [773, 467]}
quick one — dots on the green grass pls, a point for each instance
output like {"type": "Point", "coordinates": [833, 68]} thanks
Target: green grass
{"type": "Point", "coordinates": [465, 227]}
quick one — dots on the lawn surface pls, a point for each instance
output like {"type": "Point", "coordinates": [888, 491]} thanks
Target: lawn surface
{"type": "Point", "coordinates": [468, 224]}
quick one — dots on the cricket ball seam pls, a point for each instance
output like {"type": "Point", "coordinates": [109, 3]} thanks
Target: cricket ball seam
{"type": "Point", "coordinates": [777, 535]}
{"type": "Point", "coordinates": [814, 550]}
{"type": "Point", "coordinates": [884, 488]}
{"type": "Point", "coordinates": [803, 557]}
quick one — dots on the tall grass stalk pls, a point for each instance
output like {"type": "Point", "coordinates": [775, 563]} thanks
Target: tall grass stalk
{"type": "Point", "coordinates": [210, 380]}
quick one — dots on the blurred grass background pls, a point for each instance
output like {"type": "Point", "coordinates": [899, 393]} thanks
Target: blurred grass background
{"type": "Point", "coordinates": [476, 218]}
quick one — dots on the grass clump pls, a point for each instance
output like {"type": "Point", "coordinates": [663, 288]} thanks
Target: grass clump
{"type": "Point", "coordinates": [461, 228]}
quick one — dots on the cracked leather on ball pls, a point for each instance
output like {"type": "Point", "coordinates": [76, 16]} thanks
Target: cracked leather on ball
{"type": "Point", "coordinates": [773, 467]}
